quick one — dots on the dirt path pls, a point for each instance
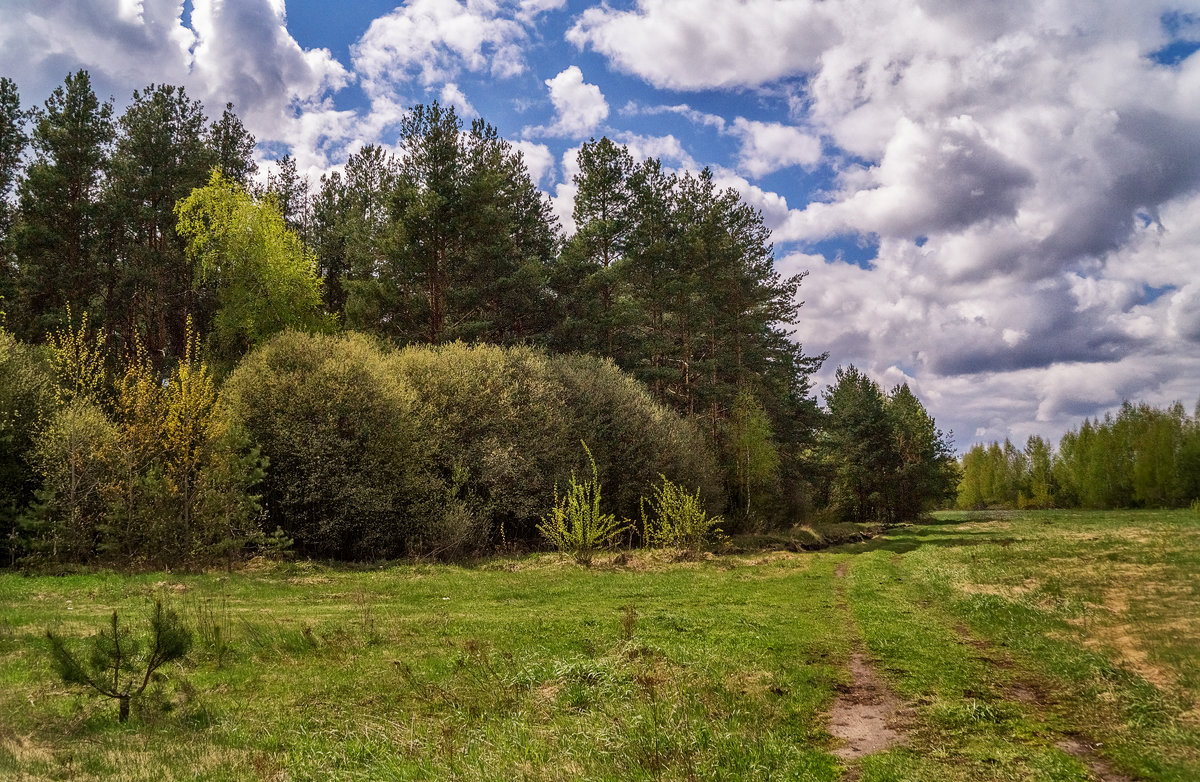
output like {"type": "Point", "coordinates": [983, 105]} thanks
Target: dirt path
{"type": "Point", "coordinates": [866, 716]}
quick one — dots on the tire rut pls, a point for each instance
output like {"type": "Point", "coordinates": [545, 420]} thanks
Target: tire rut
{"type": "Point", "coordinates": [1036, 696]}
{"type": "Point", "coordinates": [867, 716]}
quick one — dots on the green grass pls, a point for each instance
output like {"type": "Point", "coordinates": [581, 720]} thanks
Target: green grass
{"type": "Point", "coordinates": [1007, 634]}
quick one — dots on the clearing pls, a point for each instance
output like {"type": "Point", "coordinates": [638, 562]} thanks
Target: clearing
{"type": "Point", "coordinates": [1037, 645]}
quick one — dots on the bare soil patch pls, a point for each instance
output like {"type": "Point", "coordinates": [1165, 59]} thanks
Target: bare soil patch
{"type": "Point", "coordinates": [1082, 749]}
{"type": "Point", "coordinates": [868, 717]}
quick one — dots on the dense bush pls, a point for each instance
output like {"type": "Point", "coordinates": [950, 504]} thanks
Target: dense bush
{"type": "Point", "coordinates": [634, 438]}
{"type": "Point", "coordinates": [445, 449]}
{"type": "Point", "coordinates": [25, 399]}
{"type": "Point", "coordinates": [339, 435]}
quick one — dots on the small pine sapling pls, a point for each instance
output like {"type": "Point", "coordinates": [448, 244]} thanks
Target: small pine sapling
{"type": "Point", "coordinates": [114, 664]}
{"type": "Point", "coordinates": [575, 524]}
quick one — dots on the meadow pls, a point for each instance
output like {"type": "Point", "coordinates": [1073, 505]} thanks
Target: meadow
{"type": "Point", "coordinates": [1044, 645]}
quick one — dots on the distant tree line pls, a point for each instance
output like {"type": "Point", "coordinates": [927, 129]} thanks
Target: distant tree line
{"type": "Point", "coordinates": [1143, 457]}
{"type": "Point", "coordinates": [489, 345]}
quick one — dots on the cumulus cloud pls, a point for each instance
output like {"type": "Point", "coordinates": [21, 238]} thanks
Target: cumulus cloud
{"type": "Point", "coordinates": [433, 41]}
{"type": "Point", "coordinates": [770, 146]}
{"type": "Point", "coordinates": [538, 159]}
{"type": "Point", "coordinates": [118, 43]}
{"type": "Point", "coordinates": [451, 95]}
{"type": "Point", "coordinates": [698, 44]}
{"type": "Point", "coordinates": [579, 107]}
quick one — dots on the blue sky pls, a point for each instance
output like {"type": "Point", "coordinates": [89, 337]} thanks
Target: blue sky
{"type": "Point", "coordinates": [998, 203]}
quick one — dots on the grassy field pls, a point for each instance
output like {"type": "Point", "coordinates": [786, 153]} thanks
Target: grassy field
{"type": "Point", "coordinates": [1041, 645]}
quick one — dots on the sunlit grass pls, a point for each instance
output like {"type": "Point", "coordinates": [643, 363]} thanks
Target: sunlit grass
{"type": "Point", "coordinates": [1006, 637]}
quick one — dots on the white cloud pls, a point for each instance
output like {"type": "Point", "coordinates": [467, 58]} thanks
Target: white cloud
{"type": "Point", "coordinates": [770, 146]}
{"type": "Point", "coordinates": [699, 44]}
{"type": "Point", "coordinates": [451, 95]}
{"type": "Point", "coordinates": [529, 10]}
{"type": "Point", "coordinates": [433, 41]}
{"type": "Point", "coordinates": [579, 107]}
{"type": "Point", "coordinates": [538, 159]}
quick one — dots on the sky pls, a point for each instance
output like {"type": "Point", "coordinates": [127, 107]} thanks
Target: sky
{"type": "Point", "coordinates": [997, 203]}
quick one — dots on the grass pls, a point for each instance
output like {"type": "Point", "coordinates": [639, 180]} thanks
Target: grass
{"type": "Point", "coordinates": [1011, 636]}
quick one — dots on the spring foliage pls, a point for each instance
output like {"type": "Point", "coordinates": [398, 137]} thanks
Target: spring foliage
{"type": "Point", "coordinates": [377, 453]}
{"type": "Point", "coordinates": [575, 524]}
{"type": "Point", "coordinates": [677, 519]}
{"type": "Point", "coordinates": [1143, 457]}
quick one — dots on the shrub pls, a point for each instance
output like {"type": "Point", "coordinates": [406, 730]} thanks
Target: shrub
{"type": "Point", "coordinates": [677, 519]}
{"type": "Point", "coordinates": [339, 435]}
{"type": "Point", "coordinates": [25, 397]}
{"type": "Point", "coordinates": [69, 455]}
{"type": "Point", "coordinates": [441, 450]}
{"type": "Point", "coordinates": [495, 434]}
{"type": "Point", "coordinates": [635, 438]}
{"type": "Point", "coordinates": [575, 524]}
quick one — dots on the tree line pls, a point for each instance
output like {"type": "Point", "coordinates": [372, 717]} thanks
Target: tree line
{"type": "Point", "coordinates": [155, 228]}
{"type": "Point", "coordinates": [1143, 457]}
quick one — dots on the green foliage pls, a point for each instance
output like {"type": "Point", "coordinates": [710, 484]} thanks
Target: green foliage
{"type": "Point", "coordinates": [677, 519]}
{"type": "Point", "coordinates": [265, 278]}
{"type": "Point", "coordinates": [464, 249]}
{"type": "Point", "coordinates": [636, 438]}
{"type": "Point", "coordinates": [68, 455]}
{"type": "Point", "coordinates": [434, 450]}
{"type": "Point", "coordinates": [856, 446]}
{"type": "Point", "coordinates": [26, 398]}
{"type": "Point", "coordinates": [116, 665]}
{"type": "Point", "coordinates": [338, 431]}
{"type": "Point", "coordinates": [1142, 457]}
{"type": "Point", "coordinates": [59, 236]}
{"type": "Point", "coordinates": [884, 455]}
{"type": "Point", "coordinates": [751, 451]}
{"type": "Point", "coordinates": [575, 524]}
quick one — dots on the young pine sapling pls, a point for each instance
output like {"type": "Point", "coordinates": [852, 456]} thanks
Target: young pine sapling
{"type": "Point", "coordinates": [114, 665]}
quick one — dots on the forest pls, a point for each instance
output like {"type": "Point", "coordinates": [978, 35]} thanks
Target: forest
{"type": "Point", "coordinates": [1144, 457]}
{"type": "Point", "coordinates": [199, 360]}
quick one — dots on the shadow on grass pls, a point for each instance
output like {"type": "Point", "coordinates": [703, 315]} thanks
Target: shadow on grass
{"type": "Point", "coordinates": [944, 532]}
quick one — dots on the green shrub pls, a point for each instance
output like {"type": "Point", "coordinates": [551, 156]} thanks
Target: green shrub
{"type": "Point", "coordinates": [496, 435]}
{"type": "Point", "coordinates": [441, 450]}
{"type": "Point", "coordinates": [339, 435]}
{"type": "Point", "coordinates": [677, 519]}
{"type": "Point", "coordinates": [25, 397]}
{"type": "Point", "coordinates": [69, 455]}
{"type": "Point", "coordinates": [635, 439]}
{"type": "Point", "coordinates": [575, 524]}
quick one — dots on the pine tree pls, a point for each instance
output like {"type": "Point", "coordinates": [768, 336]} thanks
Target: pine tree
{"type": "Point", "coordinates": [233, 147]}
{"type": "Point", "coordinates": [926, 474]}
{"type": "Point", "coordinates": [57, 241]}
{"type": "Point", "coordinates": [162, 154]}
{"type": "Point", "coordinates": [12, 146]}
{"type": "Point", "coordinates": [857, 446]}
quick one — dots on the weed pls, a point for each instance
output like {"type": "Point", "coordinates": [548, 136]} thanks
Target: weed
{"type": "Point", "coordinates": [677, 519]}
{"type": "Point", "coordinates": [575, 524]}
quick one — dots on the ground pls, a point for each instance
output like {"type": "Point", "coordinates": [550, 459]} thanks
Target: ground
{"type": "Point", "coordinates": [991, 646]}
